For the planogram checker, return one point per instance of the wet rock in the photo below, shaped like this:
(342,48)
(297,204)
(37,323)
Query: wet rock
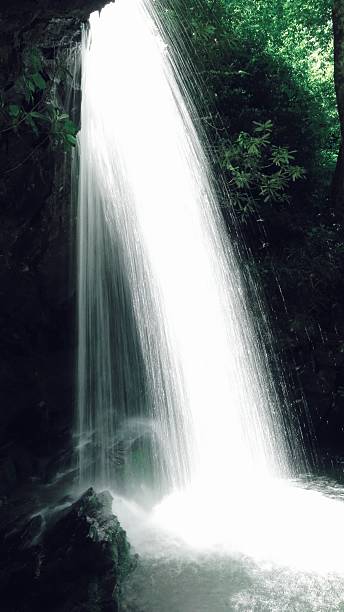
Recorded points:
(325,357)
(8,475)
(37,220)
(74,564)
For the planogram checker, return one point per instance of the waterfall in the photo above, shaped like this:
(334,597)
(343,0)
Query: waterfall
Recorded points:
(168,360)
(176,405)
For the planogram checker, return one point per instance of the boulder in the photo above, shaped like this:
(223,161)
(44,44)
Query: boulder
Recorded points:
(72,559)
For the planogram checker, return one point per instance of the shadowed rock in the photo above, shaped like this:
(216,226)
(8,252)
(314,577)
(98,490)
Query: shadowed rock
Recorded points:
(76,564)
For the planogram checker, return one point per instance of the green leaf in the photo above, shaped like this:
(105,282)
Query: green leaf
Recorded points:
(70,139)
(38,80)
(70,127)
(14,111)
(253,148)
(31,85)
(296,172)
(40,116)
(263,127)
(35,59)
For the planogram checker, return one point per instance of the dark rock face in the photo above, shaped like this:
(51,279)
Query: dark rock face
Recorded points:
(74,564)
(70,558)
(24,13)
(37,286)
(318,380)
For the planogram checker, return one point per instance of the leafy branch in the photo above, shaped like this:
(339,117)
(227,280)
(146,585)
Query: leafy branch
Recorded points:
(258,170)
(29,104)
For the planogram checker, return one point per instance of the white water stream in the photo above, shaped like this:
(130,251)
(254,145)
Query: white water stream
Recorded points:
(148,214)
(174,389)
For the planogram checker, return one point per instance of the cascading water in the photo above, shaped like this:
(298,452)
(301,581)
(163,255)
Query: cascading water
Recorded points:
(151,234)
(170,369)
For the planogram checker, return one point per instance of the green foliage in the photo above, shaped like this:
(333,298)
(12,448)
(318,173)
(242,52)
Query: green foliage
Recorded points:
(259,171)
(263,60)
(63,130)
(31,104)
